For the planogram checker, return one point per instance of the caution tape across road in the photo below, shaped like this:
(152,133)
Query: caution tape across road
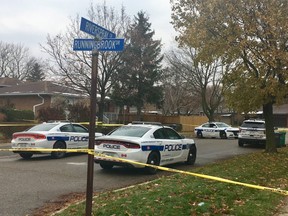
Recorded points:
(91,152)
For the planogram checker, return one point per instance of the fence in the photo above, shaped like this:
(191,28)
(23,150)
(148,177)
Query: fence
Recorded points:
(186,123)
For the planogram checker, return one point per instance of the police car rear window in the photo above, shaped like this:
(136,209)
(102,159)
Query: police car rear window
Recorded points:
(253,125)
(130,131)
(42,127)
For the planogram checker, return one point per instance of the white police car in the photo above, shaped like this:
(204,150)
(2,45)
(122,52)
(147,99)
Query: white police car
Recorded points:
(252,131)
(216,130)
(54,135)
(144,142)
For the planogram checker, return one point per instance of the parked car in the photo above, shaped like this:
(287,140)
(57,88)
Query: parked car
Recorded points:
(143,142)
(252,131)
(216,130)
(55,135)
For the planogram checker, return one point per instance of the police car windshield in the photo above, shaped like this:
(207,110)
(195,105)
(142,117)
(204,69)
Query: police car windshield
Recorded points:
(221,124)
(42,127)
(131,131)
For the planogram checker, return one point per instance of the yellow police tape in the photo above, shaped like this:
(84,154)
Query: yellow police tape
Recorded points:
(91,152)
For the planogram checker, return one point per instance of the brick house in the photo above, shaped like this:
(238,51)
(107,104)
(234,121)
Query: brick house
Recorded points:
(36,95)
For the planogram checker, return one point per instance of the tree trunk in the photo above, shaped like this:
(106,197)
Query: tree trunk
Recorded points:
(138,117)
(271,145)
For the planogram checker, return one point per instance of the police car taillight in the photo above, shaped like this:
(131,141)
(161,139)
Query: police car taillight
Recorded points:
(35,136)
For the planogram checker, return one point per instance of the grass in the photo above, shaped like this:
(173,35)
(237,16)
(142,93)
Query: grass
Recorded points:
(188,195)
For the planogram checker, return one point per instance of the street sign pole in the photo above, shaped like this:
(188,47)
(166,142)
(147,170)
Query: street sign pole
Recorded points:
(107,41)
(93,101)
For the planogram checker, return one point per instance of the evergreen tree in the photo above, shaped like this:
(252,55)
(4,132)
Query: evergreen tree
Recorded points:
(138,79)
(35,73)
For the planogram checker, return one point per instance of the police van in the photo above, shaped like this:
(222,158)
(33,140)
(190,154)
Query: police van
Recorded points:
(51,135)
(144,142)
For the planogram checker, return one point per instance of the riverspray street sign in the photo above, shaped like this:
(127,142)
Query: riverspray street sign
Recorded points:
(107,44)
(95,30)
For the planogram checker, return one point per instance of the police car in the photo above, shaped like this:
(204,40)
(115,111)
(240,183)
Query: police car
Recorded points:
(144,142)
(252,131)
(54,135)
(216,130)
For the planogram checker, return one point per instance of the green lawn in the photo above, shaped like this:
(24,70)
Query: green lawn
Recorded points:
(188,195)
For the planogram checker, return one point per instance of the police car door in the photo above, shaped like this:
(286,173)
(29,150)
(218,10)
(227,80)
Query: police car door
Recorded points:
(81,136)
(214,130)
(173,144)
(207,130)
(74,137)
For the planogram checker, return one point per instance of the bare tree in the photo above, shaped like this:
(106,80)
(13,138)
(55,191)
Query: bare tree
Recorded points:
(5,58)
(75,67)
(15,60)
(203,79)
(178,96)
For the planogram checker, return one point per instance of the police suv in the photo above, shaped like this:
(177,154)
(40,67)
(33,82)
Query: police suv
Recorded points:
(252,131)
(54,135)
(144,142)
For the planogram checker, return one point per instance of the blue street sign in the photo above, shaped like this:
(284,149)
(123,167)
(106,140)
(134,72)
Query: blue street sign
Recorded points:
(107,44)
(95,30)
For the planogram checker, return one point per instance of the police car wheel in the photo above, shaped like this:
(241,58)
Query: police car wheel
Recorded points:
(191,155)
(223,135)
(26,155)
(106,166)
(154,159)
(240,143)
(58,145)
(199,134)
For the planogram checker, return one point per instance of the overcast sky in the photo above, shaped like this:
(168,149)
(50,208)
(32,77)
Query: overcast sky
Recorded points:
(29,21)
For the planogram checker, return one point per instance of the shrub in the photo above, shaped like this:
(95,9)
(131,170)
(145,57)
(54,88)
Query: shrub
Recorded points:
(3,117)
(51,113)
(13,115)
(79,112)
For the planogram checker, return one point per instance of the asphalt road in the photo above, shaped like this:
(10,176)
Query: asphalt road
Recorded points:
(29,184)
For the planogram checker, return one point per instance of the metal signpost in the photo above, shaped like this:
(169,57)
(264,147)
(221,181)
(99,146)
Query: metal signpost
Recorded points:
(105,40)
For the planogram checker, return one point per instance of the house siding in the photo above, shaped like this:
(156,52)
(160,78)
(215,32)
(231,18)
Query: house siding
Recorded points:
(25,102)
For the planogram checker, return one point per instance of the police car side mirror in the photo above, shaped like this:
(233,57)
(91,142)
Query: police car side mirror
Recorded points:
(183,137)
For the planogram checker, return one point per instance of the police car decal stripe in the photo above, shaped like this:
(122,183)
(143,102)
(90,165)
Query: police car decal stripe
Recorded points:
(161,148)
(53,138)
(152,147)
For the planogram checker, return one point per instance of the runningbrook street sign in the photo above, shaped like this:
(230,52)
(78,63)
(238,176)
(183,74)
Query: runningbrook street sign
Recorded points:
(108,44)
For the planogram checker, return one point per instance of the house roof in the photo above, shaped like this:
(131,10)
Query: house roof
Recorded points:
(40,87)
(277,109)
(281,109)
(6,81)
